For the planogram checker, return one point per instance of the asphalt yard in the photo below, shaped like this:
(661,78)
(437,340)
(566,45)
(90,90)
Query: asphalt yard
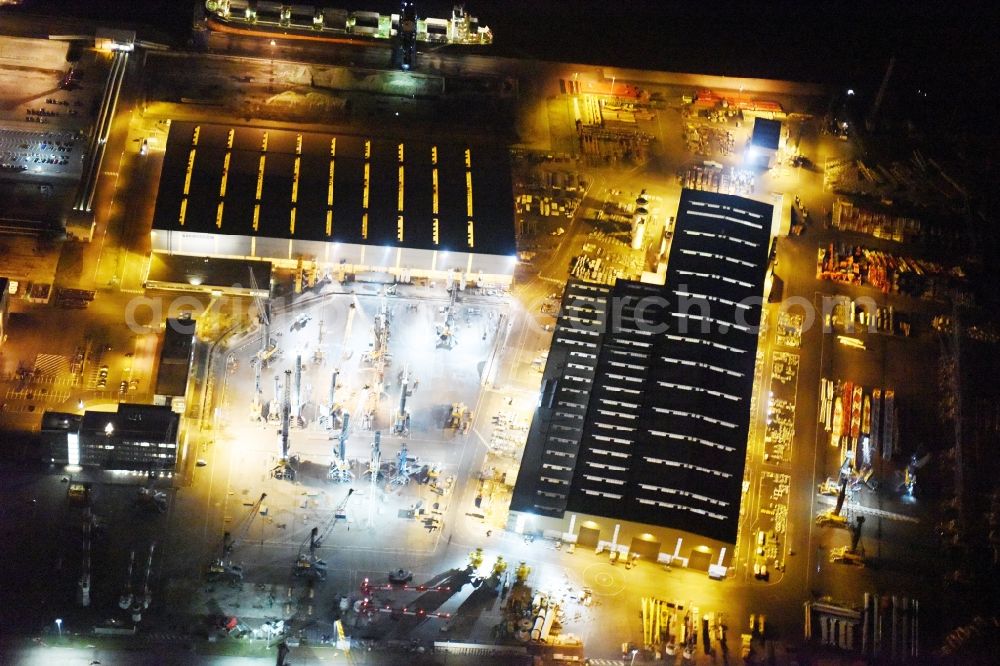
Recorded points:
(365,528)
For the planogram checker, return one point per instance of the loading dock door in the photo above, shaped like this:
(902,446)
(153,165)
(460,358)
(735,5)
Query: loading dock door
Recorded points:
(699,560)
(588,537)
(648,550)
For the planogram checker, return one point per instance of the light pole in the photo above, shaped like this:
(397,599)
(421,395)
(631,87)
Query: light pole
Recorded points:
(59,625)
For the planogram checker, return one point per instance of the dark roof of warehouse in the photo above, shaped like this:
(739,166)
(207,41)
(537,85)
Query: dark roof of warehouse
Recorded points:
(175,358)
(766,133)
(134,422)
(61,421)
(492,190)
(666,406)
(183,269)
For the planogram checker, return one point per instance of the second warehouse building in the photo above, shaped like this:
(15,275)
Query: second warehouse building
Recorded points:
(639,441)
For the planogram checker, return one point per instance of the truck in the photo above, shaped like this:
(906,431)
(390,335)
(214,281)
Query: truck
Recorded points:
(843,555)
(831,519)
(78,493)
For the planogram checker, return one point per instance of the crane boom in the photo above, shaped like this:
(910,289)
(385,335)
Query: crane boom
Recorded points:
(339,513)
(228,541)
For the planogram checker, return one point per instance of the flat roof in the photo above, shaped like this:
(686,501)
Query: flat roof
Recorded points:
(653,427)
(134,422)
(60,422)
(182,269)
(766,133)
(348,189)
(175,358)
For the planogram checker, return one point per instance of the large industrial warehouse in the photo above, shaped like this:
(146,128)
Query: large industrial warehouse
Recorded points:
(351,204)
(641,434)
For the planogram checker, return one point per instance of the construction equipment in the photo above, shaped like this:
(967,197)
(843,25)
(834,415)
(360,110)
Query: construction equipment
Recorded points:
(267,348)
(374,470)
(311,565)
(329,417)
(446,329)
(499,567)
(853,555)
(339,513)
(829,487)
(223,567)
(399,582)
(340,468)
(404,468)
(274,406)
(833,518)
(401,419)
(843,555)
(152,499)
(909,481)
(475,559)
(318,354)
(460,416)
(400,577)
(78,494)
(378,356)
(285,469)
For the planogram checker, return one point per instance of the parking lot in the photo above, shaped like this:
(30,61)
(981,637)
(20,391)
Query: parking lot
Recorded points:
(40,153)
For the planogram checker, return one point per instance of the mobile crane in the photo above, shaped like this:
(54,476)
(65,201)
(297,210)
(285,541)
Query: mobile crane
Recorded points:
(311,565)
(833,517)
(401,419)
(340,467)
(285,469)
(223,567)
(854,554)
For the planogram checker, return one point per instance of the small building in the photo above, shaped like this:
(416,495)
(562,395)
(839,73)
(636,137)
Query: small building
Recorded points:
(111,39)
(136,438)
(765,142)
(175,364)
(206,275)
(56,430)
